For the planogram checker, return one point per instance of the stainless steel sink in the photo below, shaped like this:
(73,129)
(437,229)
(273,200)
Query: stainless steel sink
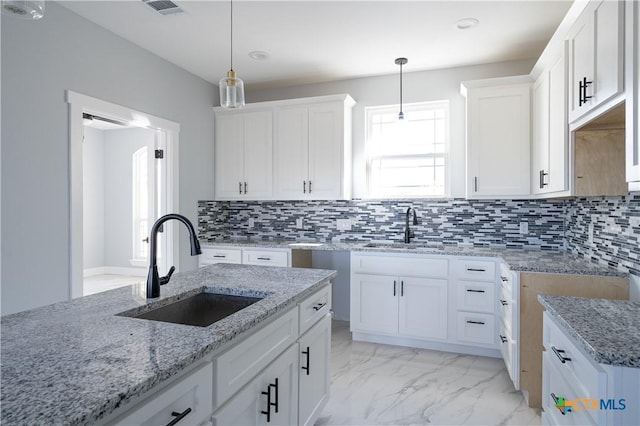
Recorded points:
(202,309)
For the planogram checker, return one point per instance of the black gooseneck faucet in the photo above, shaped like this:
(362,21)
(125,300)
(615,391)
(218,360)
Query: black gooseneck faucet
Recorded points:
(408,233)
(153,280)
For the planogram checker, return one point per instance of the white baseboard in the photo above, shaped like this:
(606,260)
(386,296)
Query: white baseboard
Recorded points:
(115,270)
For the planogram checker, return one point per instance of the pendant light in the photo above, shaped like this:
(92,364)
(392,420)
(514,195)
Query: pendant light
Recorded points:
(231,87)
(401,62)
(25,9)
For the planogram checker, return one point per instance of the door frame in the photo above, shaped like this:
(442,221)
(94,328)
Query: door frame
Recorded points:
(78,104)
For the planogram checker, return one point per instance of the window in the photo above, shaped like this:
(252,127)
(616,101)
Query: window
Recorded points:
(140,204)
(408,158)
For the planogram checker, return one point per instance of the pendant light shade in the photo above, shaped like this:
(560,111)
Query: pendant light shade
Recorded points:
(401,62)
(231,87)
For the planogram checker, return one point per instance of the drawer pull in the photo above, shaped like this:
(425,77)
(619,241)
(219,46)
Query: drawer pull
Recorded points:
(555,401)
(504,302)
(264,258)
(402,288)
(269,403)
(319,306)
(503,339)
(471,290)
(560,354)
(394,288)
(222,256)
(178,416)
(475,322)
(476,270)
(504,279)
(308,354)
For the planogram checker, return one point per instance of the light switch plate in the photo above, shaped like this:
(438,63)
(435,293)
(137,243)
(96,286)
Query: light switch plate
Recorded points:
(251,222)
(299,223)
(524,228)
(343,224)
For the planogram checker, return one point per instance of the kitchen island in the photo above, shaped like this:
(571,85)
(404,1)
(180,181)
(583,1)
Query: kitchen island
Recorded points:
(79,362)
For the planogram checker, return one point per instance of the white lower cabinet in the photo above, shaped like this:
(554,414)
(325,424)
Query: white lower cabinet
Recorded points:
(246,255)
(270,398)
(437,302)
(313,390)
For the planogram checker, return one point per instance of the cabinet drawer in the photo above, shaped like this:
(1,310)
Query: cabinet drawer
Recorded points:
(475,270)
(314,308)
(476,328)
(554,385)
(508,351)
(476,296)
(505,275)
(587,378)
(236,367)
(190,395)
(265,257)
(213,255)
(406,266)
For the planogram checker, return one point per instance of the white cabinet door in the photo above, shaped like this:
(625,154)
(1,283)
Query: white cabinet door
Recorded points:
(540,133)
(557,178)
(256,403)
(291,153)
(258,154)
(315,352)
(229,156)
(596,57)
(326,151)
(374,304)
(423,308)
(498,141)
(633,89)
(243,156)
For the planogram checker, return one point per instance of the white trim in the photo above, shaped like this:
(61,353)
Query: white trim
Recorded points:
(79,103)
(114,270)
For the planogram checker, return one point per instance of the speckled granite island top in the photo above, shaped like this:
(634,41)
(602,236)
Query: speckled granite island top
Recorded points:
(75,362)
(521,260)
(608,330)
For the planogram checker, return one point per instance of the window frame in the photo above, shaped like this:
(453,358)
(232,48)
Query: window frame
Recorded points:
(446,155)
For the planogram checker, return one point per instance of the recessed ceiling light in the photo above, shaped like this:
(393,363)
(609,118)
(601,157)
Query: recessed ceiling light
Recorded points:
(466,23)
(258,55)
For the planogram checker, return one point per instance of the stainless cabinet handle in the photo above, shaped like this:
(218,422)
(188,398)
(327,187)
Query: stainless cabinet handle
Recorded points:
(269,403)
(475,322)
(394,288)
(240,188)
(555,401)
(504,302)
(304,186)
(178,416)
(308,354)
(309,187)
(542,175)
(402,288)
(319,306)
(220,256)
(476,270)
(475,184)
(263,258)
(504,279)
(560,354)
(245,187)
(471,290)
(582,91)
(503,339)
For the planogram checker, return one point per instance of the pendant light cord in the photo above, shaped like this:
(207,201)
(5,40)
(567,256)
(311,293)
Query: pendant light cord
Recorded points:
(401,88)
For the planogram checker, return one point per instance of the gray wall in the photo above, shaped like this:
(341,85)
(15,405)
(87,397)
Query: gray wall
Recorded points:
(93,198)
(418,87)
(40,61)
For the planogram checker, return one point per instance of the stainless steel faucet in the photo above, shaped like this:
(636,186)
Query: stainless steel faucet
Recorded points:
(408,233)
(153,280)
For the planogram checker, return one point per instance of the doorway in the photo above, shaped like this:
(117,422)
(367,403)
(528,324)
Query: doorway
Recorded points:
(123,169)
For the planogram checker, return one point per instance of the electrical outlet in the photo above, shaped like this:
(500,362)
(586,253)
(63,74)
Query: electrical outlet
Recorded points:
(251,222)
(343,224)
(299,223)
(524,228)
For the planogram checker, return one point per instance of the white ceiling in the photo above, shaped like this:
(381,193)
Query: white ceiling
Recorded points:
(314,41)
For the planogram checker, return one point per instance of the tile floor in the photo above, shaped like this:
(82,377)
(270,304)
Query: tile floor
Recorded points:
(390,385)
(99,283)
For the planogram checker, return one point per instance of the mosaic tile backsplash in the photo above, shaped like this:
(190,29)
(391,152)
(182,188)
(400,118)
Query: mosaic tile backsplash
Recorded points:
(492,223)
(606,230)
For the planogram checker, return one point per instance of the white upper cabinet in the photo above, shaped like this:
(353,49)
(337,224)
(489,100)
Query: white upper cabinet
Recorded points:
(549,160)
(312,151)
(243,155)
(498,137)
(633,95)
(596,57)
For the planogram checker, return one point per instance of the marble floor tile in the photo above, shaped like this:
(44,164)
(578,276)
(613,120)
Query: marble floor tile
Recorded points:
(391,385)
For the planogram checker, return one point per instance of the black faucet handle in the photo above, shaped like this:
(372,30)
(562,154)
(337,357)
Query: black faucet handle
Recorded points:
(165,280)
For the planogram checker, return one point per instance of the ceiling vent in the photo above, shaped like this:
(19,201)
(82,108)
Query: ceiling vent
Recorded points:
(164,7)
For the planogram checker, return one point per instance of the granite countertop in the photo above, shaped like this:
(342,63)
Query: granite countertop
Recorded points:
(608,330)
(75,362)
(520,260)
